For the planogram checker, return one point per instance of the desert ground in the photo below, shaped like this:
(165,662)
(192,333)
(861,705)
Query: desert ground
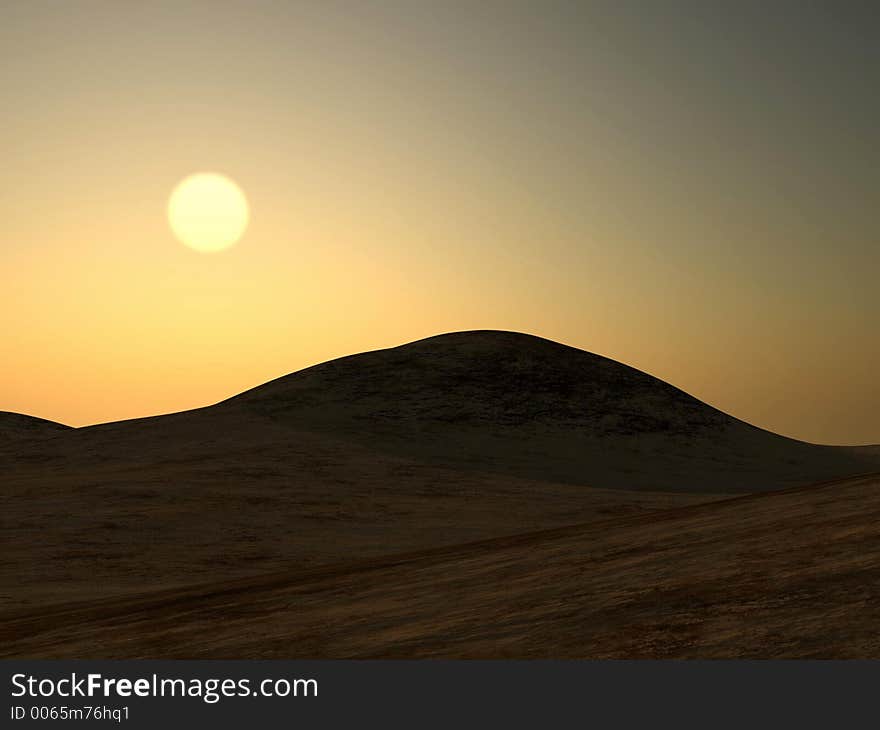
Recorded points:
(784,575)
(477,494)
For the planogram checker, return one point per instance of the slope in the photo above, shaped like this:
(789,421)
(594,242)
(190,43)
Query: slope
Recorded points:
(786,574)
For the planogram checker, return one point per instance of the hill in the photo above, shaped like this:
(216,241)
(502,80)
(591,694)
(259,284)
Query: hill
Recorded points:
(16,427)
(439,442)
(525,406)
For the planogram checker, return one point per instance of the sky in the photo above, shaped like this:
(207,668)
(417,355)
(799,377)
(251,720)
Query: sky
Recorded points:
(688,187)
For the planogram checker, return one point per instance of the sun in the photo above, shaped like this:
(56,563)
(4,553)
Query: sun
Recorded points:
(208,212)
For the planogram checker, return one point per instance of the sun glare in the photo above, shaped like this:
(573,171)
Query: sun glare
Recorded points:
(208,212)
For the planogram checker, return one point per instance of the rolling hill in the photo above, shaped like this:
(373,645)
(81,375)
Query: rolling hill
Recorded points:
(453,439)
(525,406)
(17,427)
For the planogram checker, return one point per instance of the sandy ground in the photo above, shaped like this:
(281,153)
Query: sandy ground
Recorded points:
(86,525)
(791,574)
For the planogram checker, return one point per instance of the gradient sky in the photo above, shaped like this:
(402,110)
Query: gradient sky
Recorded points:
(688,187)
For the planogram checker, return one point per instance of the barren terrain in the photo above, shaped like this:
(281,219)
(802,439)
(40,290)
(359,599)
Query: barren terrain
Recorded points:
(321,480)
(791,574)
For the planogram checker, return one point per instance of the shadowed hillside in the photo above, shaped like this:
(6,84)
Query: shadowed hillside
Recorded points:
(525,406)
(16,427)
(456,438)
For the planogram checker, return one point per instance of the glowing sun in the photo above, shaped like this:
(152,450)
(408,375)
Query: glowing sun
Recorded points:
(208,212)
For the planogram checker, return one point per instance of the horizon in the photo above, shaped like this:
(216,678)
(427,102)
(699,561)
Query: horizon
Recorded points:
(405,344)
(688,189)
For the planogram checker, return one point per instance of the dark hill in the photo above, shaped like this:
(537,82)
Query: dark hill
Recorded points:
(486,380)
(451,439)
(526,406)
(17,426)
